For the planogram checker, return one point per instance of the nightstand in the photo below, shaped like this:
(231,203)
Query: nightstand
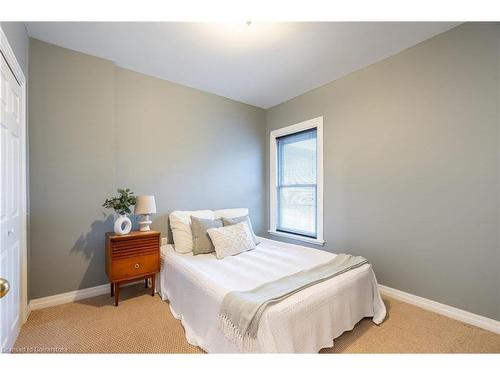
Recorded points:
(131,257)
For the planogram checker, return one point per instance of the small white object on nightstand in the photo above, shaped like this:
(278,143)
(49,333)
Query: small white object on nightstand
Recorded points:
(144,206)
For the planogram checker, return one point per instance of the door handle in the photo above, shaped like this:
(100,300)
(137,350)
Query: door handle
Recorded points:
(10,231)
(4,287)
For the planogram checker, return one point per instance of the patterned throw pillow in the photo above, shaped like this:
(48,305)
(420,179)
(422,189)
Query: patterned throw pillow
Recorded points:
(231,240)
(235,220)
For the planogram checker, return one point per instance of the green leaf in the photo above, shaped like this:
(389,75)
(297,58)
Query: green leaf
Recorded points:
(121,204)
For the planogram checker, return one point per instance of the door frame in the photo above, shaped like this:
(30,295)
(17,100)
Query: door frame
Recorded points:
(11,59)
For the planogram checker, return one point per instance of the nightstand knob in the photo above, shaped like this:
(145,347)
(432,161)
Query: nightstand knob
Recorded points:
(136,266)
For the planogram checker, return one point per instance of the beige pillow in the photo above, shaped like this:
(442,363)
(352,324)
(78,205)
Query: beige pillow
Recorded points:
(180,223)
(231,240)
(230,212)
(202,244)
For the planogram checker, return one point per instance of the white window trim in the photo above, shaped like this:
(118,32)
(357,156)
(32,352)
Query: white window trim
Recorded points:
(273,180)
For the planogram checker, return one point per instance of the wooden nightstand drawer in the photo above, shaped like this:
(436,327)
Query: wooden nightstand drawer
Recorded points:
(135,266)
(134,247)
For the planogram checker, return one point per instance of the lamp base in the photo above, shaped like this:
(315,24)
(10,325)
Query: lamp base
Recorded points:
(144,224)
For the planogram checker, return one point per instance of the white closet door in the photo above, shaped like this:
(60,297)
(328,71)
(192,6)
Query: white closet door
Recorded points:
(10,203)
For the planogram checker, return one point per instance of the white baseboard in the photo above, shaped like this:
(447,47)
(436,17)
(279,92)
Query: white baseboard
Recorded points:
(440,308)
(28,311)
(75,295)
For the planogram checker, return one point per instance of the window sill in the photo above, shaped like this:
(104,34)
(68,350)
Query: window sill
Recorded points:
(297,237)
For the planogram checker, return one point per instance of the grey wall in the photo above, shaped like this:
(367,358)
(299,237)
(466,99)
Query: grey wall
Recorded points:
(72,161)
(95,127)
(189,149)
(411,158)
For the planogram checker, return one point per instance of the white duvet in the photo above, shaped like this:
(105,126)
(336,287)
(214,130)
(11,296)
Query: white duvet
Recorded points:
(303,323)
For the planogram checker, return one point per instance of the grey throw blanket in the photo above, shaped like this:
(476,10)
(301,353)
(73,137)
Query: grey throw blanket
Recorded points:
(240,312)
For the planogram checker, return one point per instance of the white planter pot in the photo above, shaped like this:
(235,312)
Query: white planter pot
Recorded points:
(123,225)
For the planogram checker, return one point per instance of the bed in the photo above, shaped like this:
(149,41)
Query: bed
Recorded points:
(303,323)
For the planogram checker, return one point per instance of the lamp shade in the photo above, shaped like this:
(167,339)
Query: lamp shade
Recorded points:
(145,205)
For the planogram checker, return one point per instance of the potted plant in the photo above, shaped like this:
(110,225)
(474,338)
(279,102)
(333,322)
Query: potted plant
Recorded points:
(121,204)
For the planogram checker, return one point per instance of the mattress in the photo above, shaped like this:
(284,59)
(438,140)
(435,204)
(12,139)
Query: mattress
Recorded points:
(303,323)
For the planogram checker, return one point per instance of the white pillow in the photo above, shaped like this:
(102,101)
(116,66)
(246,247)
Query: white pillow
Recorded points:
(230,213)
(231,240)
(180,223)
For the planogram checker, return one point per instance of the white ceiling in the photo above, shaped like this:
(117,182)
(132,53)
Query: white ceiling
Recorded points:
(263,64)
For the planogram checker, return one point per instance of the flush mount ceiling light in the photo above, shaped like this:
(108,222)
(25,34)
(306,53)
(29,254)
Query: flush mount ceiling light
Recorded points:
(245,35)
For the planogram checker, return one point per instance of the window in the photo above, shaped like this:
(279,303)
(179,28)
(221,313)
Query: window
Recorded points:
(297,186)
(296,181)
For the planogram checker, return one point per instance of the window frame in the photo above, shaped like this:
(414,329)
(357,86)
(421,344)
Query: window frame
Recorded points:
(273,181)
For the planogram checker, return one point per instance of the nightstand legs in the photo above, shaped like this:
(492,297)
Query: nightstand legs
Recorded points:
(117,293)
(115,287)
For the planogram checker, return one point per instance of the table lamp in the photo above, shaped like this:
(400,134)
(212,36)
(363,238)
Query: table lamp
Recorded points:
(144,206)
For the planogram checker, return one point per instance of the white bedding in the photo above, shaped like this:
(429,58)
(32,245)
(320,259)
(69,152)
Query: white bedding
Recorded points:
(303,323)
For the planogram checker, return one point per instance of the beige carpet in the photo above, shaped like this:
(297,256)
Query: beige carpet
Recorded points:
(144,324)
